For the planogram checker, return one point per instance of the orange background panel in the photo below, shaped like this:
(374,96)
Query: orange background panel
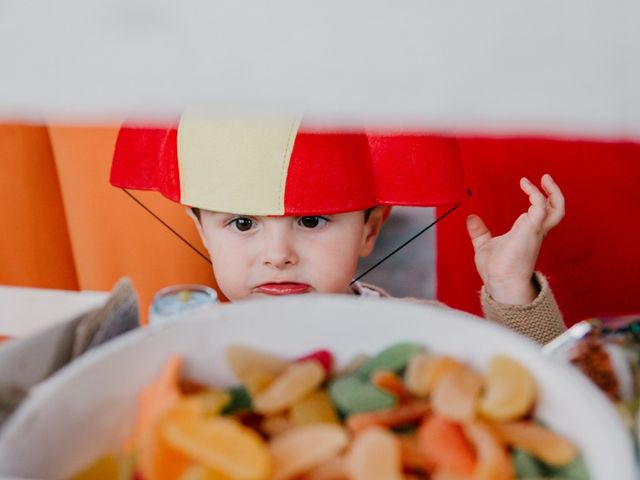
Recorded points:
(35,249)
(107,234)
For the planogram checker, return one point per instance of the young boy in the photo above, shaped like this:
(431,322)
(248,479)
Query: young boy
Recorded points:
(285,210)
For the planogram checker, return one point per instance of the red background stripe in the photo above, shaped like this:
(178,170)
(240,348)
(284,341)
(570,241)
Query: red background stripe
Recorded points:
(592,257)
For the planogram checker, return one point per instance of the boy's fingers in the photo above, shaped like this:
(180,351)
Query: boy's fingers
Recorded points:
(555,203)
(478,231)
(556,198)
(538,209)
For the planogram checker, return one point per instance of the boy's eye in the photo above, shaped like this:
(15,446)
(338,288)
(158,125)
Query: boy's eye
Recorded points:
(312,222)
(242,224)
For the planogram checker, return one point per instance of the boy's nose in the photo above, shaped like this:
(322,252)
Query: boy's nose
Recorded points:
(279,251)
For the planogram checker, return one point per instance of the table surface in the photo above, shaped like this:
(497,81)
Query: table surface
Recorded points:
(24,310)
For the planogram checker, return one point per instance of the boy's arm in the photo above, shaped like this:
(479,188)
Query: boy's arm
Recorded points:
(539,320)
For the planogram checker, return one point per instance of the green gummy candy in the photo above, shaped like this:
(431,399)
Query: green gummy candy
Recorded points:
(353,395)
(393,359)
(526,466)
(575,470)
(240,401)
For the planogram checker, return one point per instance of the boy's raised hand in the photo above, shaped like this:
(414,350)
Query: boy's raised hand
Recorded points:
(506,263)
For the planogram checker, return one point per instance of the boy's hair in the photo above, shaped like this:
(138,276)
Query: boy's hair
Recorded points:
(367,213)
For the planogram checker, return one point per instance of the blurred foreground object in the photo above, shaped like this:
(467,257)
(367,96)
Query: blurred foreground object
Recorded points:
(290,327)
(25,362)
(497,66)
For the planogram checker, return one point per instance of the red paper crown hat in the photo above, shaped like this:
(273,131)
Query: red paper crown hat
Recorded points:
(282,167)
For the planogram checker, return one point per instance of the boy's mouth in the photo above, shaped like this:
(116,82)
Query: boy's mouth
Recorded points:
(284,288)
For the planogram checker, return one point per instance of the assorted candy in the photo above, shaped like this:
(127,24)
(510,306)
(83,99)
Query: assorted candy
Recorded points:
(403,414)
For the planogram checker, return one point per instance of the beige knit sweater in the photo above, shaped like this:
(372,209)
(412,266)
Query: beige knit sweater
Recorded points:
(539,320)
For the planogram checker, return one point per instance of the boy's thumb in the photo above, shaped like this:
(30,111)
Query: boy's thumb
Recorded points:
(478,231)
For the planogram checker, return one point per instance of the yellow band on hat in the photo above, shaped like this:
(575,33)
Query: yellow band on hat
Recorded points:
(220,160)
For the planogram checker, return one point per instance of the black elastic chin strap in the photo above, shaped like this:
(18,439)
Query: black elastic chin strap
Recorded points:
(168,226)
(367,271)
(396,250)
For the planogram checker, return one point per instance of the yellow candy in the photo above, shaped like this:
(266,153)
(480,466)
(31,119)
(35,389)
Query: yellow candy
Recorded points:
(333,469)
(198,472)
(510,390)
(275,424)
(375,455)
(303,448)
(107,467)
(455,396)
(292,385)
(255,369)
(540,442)
(315,408)
(246,359)
(221,444)
(257,381)
(424,371)
(212,401)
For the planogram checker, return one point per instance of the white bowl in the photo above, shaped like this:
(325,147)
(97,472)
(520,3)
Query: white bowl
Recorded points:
(88,408)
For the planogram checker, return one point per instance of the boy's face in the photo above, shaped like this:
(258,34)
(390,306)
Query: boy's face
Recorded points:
(264,256)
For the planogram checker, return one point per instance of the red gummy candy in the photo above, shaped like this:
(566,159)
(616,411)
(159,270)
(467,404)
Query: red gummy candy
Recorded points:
(324,357)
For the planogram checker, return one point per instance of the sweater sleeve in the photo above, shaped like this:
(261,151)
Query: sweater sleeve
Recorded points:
(539,320)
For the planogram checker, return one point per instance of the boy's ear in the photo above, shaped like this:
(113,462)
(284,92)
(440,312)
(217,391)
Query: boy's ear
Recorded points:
(386,211)
(198,225)
(377,218)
